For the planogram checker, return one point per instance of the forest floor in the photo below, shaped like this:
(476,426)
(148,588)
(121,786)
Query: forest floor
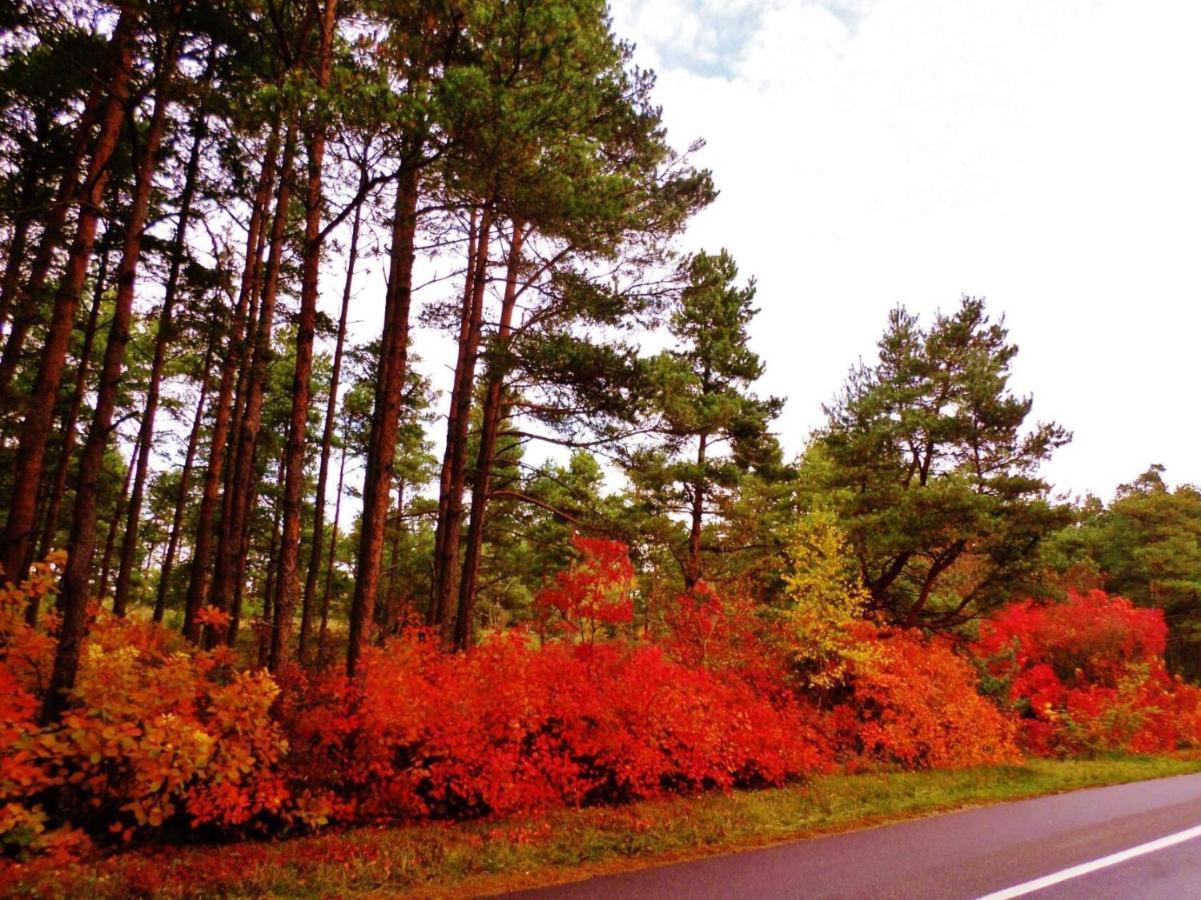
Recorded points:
(497,855)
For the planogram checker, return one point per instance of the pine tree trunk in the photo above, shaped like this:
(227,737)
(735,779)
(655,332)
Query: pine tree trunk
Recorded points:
(327,438)
(164,336)
(185,479)
(222,411)
(434,612)
(28,301)
(27,471)
(271,588)
(302,379)
(389,621)
(692,571)
(381,451)
(20,237)
(333,550)
(100,587)
(73,592)
(233,527)
(489,428)
(66,450)
(458,423)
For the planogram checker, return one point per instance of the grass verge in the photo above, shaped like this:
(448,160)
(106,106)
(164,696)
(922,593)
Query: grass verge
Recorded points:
(489,857)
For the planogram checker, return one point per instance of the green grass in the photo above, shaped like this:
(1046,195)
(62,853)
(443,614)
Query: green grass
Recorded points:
(491,856)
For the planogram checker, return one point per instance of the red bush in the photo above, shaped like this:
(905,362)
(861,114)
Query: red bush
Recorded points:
(509,726)
(591,596)
(1087,674)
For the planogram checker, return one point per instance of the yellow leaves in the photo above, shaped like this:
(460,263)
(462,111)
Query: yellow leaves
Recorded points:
(825,600)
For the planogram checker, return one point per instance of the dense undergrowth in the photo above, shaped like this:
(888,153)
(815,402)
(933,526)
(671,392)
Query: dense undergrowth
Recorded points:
(165,742)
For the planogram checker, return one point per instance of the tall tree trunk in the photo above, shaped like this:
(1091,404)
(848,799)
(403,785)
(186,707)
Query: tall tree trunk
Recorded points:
(66,450)
(489,428)
(58,489)
(385,420)
(692,569)
(185,479)
(333,550)
(100,588)
(231,536)
(73,592)
(28,301)
(21,224)
(302,378)
(164,336)
(458,423)
(434,614)
(327,439)
(271,588)
(27,471)
(203,549)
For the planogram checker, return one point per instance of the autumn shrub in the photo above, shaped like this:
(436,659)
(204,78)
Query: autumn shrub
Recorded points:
(824,600)
(591,597)
(157,731)
(1086,675)
(576,716)
(25,773)
(912,701)
(510,726)
(728,635)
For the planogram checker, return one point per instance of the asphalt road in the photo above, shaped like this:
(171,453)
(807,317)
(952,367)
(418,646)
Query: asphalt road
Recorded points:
(967,854)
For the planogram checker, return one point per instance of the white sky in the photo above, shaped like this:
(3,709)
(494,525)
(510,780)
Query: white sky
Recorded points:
(1045,155)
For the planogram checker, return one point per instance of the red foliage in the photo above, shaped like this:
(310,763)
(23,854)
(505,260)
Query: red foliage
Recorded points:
(161,732)
(509,726)
(593,594)
(1091,638)
(726,635)
(1088,674)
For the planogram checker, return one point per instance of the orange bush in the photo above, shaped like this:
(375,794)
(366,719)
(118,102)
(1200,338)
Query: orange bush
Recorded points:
(157,730)
(913,702)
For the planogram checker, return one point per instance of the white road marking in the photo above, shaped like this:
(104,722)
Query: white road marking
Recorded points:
(1029,887)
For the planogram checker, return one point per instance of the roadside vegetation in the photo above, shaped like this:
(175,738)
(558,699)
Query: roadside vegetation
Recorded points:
(488,857)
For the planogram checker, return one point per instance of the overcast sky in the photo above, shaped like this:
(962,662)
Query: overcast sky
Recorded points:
(1044,155)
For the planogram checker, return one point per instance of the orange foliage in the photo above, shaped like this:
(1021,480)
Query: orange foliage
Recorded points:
(914,703)
(161,732)
(157,730)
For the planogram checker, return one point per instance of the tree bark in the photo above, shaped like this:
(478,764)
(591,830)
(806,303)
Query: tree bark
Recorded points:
(20,237)
(100,588)
(433,613)
(163,338)
(27,471)
(202,552)
(333,550)
(692,571)
(489,428)
(327,438)
(270,589)
(58,489)
(26,306)
(385,420)
(458,422)
(231,536)
(185,478)
(302,378)
(73,592)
